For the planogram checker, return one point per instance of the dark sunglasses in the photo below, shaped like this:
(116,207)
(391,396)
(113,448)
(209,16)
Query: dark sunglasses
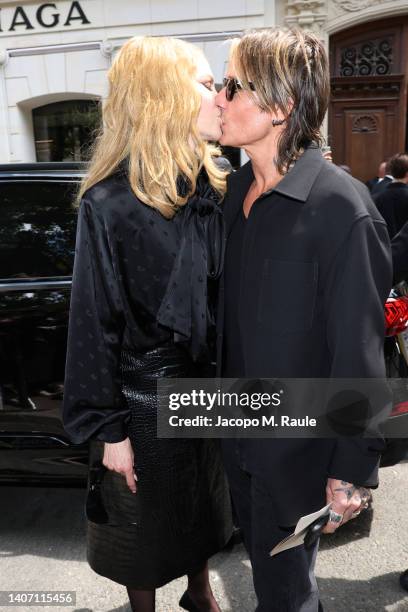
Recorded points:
(232,85)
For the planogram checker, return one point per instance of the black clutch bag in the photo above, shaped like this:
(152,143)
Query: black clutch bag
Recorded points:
(109,500)
(94,506)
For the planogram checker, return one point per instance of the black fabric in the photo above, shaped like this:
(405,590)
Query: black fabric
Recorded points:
(317,274)
(180,514)
(283,583)
(399,246)
(139,280)
(185,307)
(233,359)
(371,183)
(381,185)
(138,313)
(392,204)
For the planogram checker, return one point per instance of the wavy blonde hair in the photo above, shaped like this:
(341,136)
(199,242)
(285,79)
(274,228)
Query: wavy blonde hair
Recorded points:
(150,120)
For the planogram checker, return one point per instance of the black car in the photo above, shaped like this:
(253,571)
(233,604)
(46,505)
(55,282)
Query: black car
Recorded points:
(37,241)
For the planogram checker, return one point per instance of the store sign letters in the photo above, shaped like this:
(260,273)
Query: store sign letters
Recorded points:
(47,16)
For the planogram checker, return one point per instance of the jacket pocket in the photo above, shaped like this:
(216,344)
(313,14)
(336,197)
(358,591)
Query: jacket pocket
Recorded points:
(287,295)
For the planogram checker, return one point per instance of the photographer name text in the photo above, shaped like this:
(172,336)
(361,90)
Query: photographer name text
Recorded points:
(242,422)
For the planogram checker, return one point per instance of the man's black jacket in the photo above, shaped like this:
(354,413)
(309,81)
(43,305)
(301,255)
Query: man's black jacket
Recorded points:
(381,185)
(315,275)
(399,246)
(392,204)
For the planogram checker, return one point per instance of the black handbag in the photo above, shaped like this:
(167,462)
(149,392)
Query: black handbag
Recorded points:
(94,506)
(109,500)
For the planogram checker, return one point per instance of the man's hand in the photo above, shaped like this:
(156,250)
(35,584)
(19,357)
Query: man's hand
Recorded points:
(118,457)
(347,502)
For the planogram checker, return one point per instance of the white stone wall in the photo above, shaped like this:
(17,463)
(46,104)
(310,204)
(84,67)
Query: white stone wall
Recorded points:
(31,80)
(326,17)
(37,67)
(41,79)
(343,14)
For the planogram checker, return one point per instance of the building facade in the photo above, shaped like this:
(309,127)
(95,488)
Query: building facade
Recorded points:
(54,57)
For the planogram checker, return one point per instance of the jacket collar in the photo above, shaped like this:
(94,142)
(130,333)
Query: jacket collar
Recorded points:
(296,184)
(396,185)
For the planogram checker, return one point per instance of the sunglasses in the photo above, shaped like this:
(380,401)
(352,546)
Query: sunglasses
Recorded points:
(232,85)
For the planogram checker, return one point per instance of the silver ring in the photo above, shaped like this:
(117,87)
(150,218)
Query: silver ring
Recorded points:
(335,517)
(356,513)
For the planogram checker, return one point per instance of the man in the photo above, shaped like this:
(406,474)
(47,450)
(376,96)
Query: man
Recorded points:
(307,272)
(371,183)
(392,202)
(384,179)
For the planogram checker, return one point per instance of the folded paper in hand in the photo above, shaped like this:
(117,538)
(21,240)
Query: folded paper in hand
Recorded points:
(298,536)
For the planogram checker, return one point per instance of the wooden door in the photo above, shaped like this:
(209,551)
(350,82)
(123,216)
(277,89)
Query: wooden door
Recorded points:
(365,127)
(367,115)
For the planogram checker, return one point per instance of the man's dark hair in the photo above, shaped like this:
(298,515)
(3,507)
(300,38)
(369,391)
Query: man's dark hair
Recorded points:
(398,165)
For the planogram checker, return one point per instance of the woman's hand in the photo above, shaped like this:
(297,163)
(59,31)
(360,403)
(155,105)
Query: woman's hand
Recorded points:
(118,457)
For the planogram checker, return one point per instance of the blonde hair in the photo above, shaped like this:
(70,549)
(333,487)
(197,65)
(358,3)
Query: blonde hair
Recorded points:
(287,67)
(150,120)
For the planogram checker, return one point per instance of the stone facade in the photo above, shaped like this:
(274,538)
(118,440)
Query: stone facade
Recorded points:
(61,51)
(308,14)
(326,17)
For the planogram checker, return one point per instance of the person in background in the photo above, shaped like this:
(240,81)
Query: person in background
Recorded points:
(383,181)
(392,202)
(371,183)
(307,272)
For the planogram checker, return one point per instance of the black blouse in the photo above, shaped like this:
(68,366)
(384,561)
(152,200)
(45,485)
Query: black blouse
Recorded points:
(139,280)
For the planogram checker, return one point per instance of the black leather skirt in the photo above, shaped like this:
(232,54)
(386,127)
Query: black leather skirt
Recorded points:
(180,515)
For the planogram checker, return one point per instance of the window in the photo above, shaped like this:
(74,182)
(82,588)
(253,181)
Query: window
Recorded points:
(63,131)
(37,229)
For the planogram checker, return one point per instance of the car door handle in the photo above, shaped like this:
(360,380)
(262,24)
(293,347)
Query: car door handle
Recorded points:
(35,284)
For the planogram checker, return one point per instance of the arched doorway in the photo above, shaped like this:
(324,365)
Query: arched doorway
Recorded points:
(63,130)
(368,109)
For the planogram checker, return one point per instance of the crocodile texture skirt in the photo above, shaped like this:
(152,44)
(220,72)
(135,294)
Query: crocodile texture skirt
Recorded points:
(180,515)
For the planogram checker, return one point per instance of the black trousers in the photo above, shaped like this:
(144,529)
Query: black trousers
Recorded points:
(285,582)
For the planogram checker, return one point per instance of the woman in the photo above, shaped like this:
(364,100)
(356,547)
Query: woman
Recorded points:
(314,246)
(149,233)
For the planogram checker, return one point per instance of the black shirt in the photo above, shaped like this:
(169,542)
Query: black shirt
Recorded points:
(139,280)
(317,271)
(233,359)
(315,246)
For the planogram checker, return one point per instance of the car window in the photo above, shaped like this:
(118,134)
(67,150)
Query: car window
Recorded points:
(37,228)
